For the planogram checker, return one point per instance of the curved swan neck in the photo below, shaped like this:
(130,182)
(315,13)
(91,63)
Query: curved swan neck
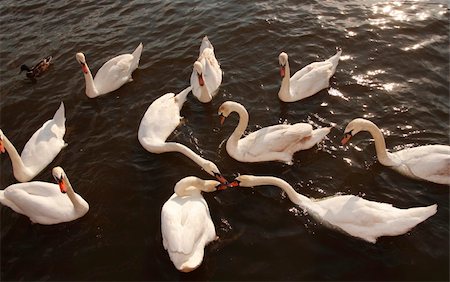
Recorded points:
(20,171)
(177,147)
(71,194)
(380,144)
(242,125)
(91,90)
(295,197)
(285,92)
(205,96)
(193,186)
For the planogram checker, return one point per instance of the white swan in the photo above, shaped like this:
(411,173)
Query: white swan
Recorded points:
(272,143)
(43,146)
(160,120)
(430,162)
(44,202)
(307,81)
(186,224)
(112,75)
(206,75)
(355,216)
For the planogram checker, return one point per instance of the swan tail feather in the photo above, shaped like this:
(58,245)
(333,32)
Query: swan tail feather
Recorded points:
(136,56)
(181,97)
(205,44)
(334,60)
(59,116)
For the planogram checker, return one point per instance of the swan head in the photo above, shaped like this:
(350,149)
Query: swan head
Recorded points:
(355,126)
(243,181)
(2,147)
(213,170)
(193,185)
(226,109)
(198,68)
(82,61)
(282,60)
(59,174)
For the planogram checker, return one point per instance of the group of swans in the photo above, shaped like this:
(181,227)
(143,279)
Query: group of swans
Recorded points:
(186,223)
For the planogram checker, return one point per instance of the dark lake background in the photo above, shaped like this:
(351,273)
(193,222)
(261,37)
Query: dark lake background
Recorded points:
(394,70)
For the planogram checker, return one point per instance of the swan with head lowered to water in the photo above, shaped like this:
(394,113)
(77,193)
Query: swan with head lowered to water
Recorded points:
(351,214)
(40,150)
(272,143)
(307,81)
(186,224)
(45,203)
(429,162)
(160,120)
(206,74)
(112,75)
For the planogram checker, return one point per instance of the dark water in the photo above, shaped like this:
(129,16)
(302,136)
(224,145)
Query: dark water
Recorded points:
(394,71)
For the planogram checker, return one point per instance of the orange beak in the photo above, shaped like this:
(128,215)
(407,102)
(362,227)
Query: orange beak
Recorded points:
(62,186)
(200,80)
(220,178)
(222,119)
(346,138)
(84,68)
(282,71)
(2,148)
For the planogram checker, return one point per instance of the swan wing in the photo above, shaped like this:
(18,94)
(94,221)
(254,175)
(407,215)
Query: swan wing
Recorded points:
(114,73)
(160,120)
(45,144)
(369,220)
(276,138)
(311,81)
(212,73)
(431,162)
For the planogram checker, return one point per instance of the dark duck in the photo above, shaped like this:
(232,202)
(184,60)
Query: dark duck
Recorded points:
(38,69)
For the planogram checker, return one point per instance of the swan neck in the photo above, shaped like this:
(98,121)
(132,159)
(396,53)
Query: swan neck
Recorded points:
(204,94)
(295,197)
(20,171)
(242,125)
(284,93)
(180,148)
(71,194)
(91,90)
(380,145)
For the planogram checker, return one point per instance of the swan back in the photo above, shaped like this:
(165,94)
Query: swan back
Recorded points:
(186,224)
(161,118)
(46,143)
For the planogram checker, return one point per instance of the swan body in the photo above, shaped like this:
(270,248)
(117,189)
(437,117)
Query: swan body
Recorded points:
(186,224)
(160,120)
(429,162)
(307,81)
(206,74)
(112,75)
(272,143)
(45,203)
(38,69)
(351,214)
(43,146)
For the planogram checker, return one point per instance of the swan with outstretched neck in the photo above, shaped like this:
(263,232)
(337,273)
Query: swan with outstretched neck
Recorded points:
(429,162)
(272,143)
(351,214)
(112,75)
(40,150)
(206,74)
(307,81)
(160,120)
(186,224)
(45,203)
